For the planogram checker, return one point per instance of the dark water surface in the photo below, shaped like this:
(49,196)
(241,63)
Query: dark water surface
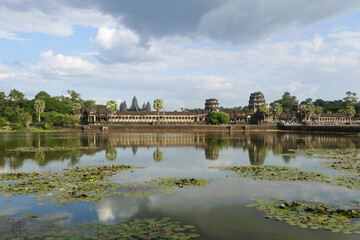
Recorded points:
(219,211)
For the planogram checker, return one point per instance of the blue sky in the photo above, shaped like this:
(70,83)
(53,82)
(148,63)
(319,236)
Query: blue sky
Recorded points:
(181,51)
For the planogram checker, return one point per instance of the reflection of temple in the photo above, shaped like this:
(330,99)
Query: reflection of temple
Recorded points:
(258,145)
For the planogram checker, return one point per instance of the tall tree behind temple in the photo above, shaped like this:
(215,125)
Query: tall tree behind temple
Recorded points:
(287,101)
(134,104)
(148,107)
(16,95)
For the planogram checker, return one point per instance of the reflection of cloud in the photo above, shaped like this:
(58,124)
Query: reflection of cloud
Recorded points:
(54,215)
(12,211)
(110,210)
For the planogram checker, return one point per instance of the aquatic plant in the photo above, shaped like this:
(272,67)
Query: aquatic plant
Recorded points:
(282,173)
(29,226)
(313,215)
(65,186)
(147,228)
(346,160)
(86,184)
(275,173)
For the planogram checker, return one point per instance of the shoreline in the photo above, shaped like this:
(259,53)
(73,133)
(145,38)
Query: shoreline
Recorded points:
(192,127)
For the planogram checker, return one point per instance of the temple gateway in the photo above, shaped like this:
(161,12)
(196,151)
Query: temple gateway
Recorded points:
(248,115)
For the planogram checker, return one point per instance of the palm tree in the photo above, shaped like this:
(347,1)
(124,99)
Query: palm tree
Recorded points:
(318,111)
(309,109)
(111,106)
(277,108)
(158,105)
(350,112)
(264,109)
(39,106)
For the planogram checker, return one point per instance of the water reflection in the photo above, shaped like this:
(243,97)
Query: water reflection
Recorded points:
(158,155)
(257,144)
(111,154)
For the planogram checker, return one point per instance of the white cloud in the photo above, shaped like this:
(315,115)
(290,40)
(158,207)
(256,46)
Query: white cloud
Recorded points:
(11,36)
(50,17)
(347,39)
(62,65)
(122,45)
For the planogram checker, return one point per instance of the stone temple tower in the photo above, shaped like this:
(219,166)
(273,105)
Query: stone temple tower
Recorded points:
(255,101)
(212,104)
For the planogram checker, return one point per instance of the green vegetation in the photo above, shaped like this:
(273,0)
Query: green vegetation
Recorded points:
(313,215)
(86,184)
(278,173)
(111,106)
(275,173)
(219,117)
(65,186)
(158,105)
(146,228)
(287,102)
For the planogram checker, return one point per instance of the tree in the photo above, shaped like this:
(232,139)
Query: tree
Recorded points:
(89,103)
(318,111)
(218,117)
(111,106)
(76,106)
(351,98)
(134,104)
(158,105)
(264,109)
(277,109)
(287,101)
(309,109)
(16,95)
(39,106)
(148,107)
(42,95)
(350,112)
(74,96)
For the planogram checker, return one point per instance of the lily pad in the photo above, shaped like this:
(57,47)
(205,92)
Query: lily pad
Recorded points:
(313,215)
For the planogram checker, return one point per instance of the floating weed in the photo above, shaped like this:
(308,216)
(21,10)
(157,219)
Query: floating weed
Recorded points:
(147,228)
(164,185)
(282,173)
(28,226)
(275,173)
(346,160)
(313,215)
(65,186)
(88,184)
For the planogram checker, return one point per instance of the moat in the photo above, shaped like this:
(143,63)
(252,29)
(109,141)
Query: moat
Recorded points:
(216,206)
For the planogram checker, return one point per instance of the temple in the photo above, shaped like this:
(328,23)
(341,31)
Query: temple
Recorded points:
(248,115)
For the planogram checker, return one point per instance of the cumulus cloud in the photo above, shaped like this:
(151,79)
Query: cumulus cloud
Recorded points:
(61,65)
(347,39)
(122,46)
(50,17)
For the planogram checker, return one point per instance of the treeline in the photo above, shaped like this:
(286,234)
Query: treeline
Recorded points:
(337,106)
(43,111)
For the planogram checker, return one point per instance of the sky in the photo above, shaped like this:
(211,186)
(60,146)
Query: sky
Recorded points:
(182,51)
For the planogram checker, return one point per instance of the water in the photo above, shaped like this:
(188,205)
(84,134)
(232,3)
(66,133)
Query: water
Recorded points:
(218,211)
